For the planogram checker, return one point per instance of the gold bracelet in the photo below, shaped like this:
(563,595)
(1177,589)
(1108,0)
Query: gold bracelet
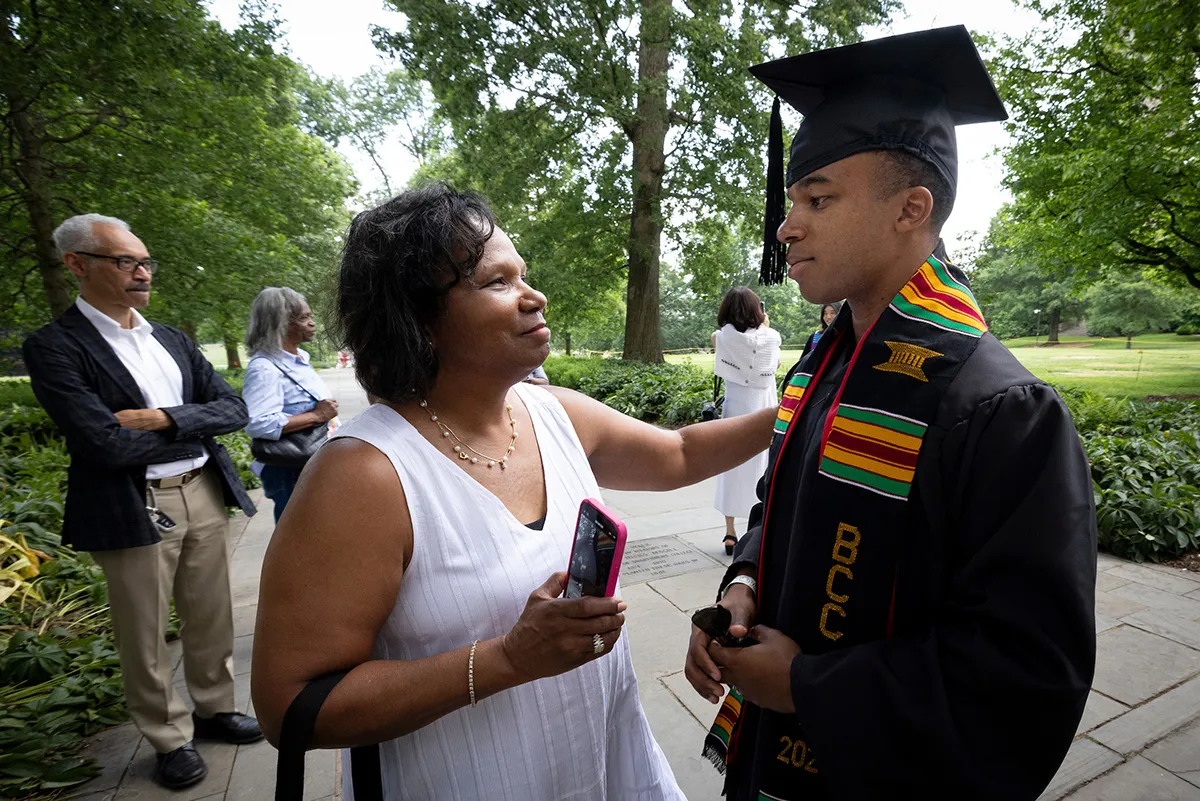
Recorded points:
(471,672)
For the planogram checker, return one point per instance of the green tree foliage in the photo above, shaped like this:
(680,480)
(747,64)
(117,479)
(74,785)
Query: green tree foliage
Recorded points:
(368,111)
(1020,294)
(625,118)
(1127,306)
(1105,161)
(152,112)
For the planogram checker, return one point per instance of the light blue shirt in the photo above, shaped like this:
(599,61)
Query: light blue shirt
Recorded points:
(271,397)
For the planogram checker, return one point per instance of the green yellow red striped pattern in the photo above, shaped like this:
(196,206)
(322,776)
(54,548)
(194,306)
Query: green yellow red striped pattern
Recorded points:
(722,727)
(716,742)
(933,296)
(873,449)
(790,402)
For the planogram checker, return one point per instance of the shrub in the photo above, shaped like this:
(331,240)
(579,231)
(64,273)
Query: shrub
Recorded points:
(1145,459)
(59,674)
(1147,493)
(1186,330)
(238,445)
(669,394)
(1094,413)
(17,391)
(234,378)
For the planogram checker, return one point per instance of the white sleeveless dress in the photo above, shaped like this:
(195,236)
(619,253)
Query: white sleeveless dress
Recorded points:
(580,735)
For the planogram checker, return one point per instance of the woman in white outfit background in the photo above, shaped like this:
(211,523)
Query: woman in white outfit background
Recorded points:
(746,351)
(422,549)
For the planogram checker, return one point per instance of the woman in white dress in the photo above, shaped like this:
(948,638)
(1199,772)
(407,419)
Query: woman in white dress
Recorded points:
(423,548)
(747,354)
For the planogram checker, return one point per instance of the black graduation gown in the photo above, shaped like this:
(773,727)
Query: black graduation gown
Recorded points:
(978,693)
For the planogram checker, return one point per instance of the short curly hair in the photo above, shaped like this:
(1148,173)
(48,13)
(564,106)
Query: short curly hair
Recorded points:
(398,264)
(902,170)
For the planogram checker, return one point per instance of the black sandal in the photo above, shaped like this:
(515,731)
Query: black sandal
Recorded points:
(730,542)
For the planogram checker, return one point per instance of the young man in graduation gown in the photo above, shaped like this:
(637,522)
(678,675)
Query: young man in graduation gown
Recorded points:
(920,576)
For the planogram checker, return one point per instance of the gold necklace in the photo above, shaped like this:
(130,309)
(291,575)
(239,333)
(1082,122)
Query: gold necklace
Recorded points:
(464,451)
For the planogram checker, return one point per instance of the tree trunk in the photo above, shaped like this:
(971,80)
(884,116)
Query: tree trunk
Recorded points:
(37,194)
(1129,342)
(188,327)
(643,338)
(1055,324)
(568,343)
(232,360)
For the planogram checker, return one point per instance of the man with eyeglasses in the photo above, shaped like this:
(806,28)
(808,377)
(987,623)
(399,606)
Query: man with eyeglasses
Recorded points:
(147,487)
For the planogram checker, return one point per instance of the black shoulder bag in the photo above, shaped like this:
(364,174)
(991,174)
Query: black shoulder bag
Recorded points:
(298,724)
(295,448)
(711,410)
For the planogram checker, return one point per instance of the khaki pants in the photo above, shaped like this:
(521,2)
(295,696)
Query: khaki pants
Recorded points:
(192,564)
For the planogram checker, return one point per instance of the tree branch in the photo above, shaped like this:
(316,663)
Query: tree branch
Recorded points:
(86,131)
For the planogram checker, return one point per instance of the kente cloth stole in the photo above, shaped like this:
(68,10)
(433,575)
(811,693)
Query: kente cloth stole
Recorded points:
(870,442)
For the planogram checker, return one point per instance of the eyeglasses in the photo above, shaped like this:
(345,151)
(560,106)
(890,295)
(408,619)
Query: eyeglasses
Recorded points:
(126,264)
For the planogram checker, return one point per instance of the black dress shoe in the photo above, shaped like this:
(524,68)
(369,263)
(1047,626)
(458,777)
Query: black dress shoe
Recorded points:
(228,727)
(180,768)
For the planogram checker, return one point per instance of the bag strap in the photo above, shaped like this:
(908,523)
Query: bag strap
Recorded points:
(296,734)
(303,388)
(717,382)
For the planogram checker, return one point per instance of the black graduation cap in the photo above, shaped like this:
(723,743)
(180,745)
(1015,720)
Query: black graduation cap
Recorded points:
(902,92)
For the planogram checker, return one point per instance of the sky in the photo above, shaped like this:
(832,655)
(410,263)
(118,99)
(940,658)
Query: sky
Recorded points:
(334,40)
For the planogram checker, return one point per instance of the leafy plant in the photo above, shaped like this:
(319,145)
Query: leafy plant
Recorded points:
(18,393)
(1145,461)
(56,689)
(18,567)
(668,394)
(238,445)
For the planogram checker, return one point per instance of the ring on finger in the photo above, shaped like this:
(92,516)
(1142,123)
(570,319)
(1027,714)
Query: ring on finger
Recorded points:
(597,644)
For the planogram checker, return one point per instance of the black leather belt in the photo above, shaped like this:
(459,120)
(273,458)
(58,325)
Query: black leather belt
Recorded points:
(181,480)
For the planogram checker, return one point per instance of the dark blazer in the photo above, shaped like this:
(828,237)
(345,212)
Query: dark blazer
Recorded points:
(80,381)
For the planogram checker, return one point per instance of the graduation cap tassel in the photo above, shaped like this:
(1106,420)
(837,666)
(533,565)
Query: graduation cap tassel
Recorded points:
(774,261)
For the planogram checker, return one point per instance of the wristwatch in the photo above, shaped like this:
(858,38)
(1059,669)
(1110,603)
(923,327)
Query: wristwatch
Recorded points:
(742,579)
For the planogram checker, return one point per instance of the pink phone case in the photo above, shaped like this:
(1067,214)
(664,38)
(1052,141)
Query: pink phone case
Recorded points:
(615,571)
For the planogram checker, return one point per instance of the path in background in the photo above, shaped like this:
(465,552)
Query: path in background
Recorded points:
(1139,738)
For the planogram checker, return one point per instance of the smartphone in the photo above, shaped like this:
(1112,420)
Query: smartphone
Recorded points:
(596,553)
(714,621)
(762,304)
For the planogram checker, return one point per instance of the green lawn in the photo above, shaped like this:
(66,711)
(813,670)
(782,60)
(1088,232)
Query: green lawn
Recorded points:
(215,353)
(1158,364)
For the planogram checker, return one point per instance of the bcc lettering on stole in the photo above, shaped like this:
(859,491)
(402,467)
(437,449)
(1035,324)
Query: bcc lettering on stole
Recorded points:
(845,552)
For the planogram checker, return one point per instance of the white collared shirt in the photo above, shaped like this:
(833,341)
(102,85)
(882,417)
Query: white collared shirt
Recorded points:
(153,369)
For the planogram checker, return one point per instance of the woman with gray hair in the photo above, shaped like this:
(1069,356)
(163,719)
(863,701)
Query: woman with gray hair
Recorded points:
(283,392)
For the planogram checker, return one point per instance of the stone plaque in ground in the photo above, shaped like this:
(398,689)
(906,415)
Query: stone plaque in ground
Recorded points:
(647,560)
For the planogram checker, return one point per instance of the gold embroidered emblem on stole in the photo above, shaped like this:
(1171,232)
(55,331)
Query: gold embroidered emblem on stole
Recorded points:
(907,359)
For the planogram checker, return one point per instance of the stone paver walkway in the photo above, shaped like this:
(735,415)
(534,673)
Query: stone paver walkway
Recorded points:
(1139,738)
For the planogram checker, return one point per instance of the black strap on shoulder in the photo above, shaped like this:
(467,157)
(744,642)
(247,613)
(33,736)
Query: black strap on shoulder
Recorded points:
(296,735)
(289,376)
